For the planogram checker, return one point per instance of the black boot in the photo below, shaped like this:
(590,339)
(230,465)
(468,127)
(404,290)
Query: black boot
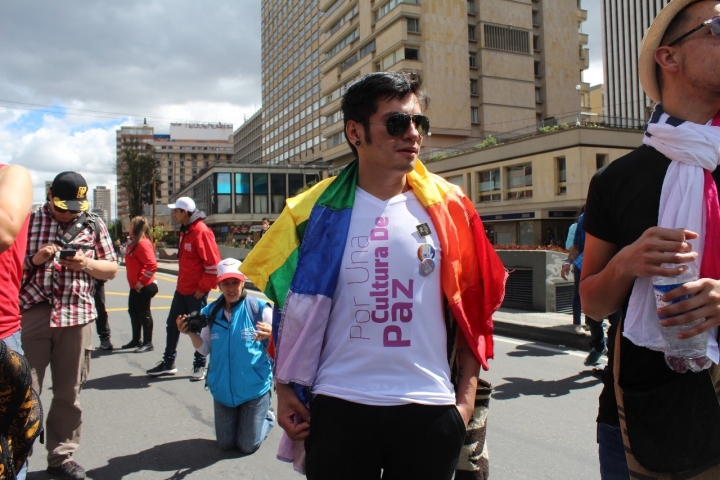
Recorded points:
(135,332)
(147,328)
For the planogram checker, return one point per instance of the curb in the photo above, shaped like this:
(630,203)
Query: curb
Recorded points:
(551,335)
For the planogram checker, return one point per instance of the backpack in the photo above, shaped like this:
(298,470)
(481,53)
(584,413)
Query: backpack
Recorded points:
(21,414)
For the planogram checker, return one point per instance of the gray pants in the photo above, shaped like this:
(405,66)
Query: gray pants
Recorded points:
(67,351)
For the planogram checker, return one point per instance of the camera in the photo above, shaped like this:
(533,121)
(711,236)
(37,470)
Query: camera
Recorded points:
(196,321)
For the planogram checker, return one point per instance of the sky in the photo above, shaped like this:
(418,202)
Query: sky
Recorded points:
(73,72)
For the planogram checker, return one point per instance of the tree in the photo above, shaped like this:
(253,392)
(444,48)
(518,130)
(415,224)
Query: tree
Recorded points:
(137,167)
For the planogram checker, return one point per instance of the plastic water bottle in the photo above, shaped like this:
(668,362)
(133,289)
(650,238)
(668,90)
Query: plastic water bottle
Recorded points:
(690,353)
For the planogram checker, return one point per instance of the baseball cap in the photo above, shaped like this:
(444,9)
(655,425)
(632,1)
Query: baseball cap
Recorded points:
(69,192)
(229,268)
(183,203)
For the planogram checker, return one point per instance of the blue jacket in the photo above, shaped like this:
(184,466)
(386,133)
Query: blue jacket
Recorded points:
(239,370)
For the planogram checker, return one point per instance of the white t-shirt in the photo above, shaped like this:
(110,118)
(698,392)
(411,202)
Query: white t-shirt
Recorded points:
(385,343)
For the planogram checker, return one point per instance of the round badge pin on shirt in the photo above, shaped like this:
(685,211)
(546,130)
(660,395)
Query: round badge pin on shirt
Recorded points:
(427,266)
(425,251)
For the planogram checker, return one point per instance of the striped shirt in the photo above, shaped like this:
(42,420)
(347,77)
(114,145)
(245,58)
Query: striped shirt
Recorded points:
(71,293)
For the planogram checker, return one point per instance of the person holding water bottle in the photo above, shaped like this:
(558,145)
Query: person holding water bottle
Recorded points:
(652,225)
(240,375)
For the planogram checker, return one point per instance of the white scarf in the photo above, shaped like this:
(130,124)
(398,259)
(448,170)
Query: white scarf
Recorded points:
(691,147)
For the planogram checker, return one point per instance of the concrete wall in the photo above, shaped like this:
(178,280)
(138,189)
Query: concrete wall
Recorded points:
(546,266)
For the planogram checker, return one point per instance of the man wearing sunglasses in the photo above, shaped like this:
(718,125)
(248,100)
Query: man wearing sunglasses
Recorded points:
(650,214)
(383,312)
(56,300)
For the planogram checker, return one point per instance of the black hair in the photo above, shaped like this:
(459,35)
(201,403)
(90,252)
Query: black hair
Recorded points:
(676,28)
(360,101)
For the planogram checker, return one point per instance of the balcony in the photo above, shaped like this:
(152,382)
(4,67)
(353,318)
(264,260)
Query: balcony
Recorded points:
(582,15)
(583,38)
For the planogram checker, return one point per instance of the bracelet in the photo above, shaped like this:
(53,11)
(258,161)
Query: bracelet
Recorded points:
(86,266)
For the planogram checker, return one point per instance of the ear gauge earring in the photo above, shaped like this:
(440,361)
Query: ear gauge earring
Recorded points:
(358,142)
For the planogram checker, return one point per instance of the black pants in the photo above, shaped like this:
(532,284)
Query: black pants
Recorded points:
(351,441)
(102,324)
(140,314)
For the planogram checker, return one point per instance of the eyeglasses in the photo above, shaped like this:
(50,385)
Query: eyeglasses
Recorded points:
(398,123)
(714,29)
(63,210)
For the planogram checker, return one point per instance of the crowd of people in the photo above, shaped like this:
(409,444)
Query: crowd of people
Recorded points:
(383,285)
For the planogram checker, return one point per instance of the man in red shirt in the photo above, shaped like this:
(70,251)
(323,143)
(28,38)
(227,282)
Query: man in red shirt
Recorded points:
(198,256)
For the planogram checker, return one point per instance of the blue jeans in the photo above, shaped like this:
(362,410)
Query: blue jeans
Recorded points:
(611,451)
(13,342)
(243,427)
(181,305)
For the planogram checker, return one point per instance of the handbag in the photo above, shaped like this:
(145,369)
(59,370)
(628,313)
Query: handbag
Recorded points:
(474,459)
(662,441)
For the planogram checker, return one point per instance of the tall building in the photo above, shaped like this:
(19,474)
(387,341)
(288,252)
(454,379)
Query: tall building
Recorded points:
(491,67)
(102,198)
(183,154)
(291,81)
(247,140)
(624,25)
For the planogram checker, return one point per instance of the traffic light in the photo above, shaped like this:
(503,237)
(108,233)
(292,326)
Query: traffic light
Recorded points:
(158,191)
(146,194)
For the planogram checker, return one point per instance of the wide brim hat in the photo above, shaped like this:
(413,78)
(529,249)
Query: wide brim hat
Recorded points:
(229,268)
(650,44)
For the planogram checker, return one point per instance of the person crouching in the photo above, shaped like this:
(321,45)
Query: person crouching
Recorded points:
(240,374)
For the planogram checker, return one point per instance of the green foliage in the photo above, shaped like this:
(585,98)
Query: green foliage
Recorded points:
(136,167)
(438,156)
(490,141)
(170,239)
(158,232)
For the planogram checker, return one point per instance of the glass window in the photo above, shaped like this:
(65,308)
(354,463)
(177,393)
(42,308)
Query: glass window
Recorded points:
(278,191)
(519,177)
(260,192)
(295,183)
(242,193)
(223,203)
(489,186)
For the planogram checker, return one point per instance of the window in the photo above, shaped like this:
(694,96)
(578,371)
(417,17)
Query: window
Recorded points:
(473,87)
(601,160)
(412,54)
(260,192)
(536,43)
(471,33)
(295,183)
(538,95)
(535,19)
(336,140)
(242,193)
(351,37)
(413,25)
(222,202)
(385,9)
(518,178)
(561,167)
(537,69)
(507,38)
(393,58)
(489,186)
(277,191)
(474,115)
(471,6)
(473,61)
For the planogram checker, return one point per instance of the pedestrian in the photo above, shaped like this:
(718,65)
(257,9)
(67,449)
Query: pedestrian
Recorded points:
(550,239)
(566,268)
(15,203)
(68,249)
(598,340)
(651,213)
(198,256)
(118,251)
(240,374)
(102,324)
(265,222)
(360,267)
(141,265)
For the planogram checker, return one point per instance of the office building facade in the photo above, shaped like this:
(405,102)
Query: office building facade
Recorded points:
(247,140)
(624,25)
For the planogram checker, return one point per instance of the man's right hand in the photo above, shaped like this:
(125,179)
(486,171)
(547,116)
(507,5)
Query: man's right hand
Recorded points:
(565,271)
(656,246)
(289,405)
(45,253)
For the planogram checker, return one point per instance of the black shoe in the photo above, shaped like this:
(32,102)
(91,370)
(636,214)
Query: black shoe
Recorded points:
(105,345)
(163,368)
(146,347)
(69,470)
(133,344)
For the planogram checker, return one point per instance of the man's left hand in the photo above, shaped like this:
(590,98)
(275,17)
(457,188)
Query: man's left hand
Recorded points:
(704,302)
(74,263)
(465,412)
(199,294)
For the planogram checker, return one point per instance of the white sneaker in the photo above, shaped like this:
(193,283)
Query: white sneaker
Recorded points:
(198,374)
(580,330)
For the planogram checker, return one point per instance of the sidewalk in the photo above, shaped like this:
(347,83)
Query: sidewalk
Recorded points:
(551,328)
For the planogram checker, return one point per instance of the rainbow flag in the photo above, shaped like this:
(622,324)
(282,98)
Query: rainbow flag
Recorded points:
(297,263)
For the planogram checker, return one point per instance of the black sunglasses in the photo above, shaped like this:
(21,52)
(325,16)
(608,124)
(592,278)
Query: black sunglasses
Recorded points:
(398,123)
(63,210)
(714,29)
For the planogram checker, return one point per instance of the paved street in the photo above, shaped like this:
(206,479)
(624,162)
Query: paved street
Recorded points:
(541,424)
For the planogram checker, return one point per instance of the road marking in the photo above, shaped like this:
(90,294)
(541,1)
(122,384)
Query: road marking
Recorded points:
(160,307)
(541,347)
